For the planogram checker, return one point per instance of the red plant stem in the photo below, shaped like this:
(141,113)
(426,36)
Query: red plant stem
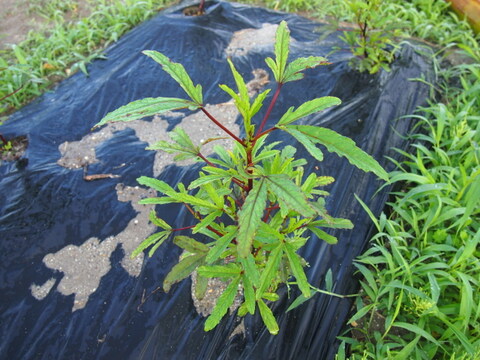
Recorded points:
(258,136)
(5,142)
(216,122)
(183,228)
(269,211)
(270,107)
(200,155)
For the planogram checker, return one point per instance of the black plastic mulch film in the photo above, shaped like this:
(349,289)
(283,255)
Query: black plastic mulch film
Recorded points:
(46,207)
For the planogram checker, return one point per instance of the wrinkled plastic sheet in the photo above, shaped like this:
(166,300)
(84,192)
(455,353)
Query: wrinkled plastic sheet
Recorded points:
(46,207)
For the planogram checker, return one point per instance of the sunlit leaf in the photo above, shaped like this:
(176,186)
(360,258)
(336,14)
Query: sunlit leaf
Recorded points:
(267,317)
(178,73)
(294,69)
(308,108)
(342,146)
(158,237)
(140,109)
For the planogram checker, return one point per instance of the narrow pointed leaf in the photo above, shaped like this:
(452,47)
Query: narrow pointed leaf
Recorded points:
(158,222)
(342,146)
(207,220)
(297,302)
(334,223)
(268,318)
(156,201)
(270,271)
(140,109)
(282,42)
(159,185)
(191,245)
(291,194)
(308,108)
(242,88)
(206,179)
(182,270)
(192,200)
(219,271)
(158,237)
(223,303)
(221,245)
(249,294)
(294,69)
(306,142)
(250,217)
(272,65)
(201,287)
(178,73)
(251,270)
(323,235)
(297,270)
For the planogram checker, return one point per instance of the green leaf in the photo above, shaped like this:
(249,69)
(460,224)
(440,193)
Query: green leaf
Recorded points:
(249,294)
(182,270)
(220,271)
(201,287)
(207,179)
(159,185)
(342,146)
(182,144)
(297,302)
(223,303)
(297,270)
(251,270)
(306,142)
(221,245)
(270,271)
(267,317)
(270,296)
(156,201)
(282,41)
(291,194)
(158,222)
(191,245)
(323,235)
(294,69)
(417,330)
(250,217)
(334,223)
(206,221)
(192,200)
(178,73)
(158,237)
(140,109)
(307,108)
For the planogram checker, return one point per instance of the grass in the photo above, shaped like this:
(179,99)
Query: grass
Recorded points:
(420,275)
(67,45)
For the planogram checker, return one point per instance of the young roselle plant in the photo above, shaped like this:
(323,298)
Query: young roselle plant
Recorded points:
(254,203)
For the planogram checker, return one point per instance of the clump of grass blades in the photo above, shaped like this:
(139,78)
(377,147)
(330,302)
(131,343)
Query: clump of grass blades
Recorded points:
(66,47)
(421,274)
